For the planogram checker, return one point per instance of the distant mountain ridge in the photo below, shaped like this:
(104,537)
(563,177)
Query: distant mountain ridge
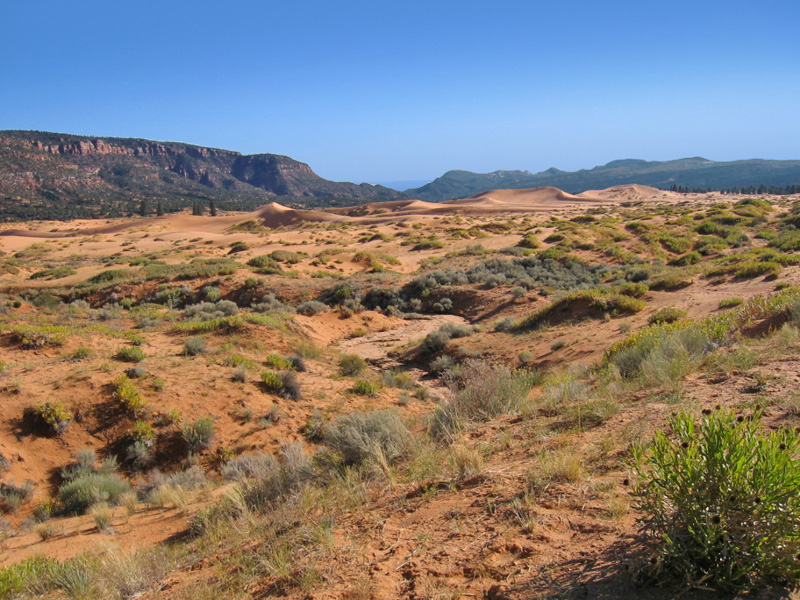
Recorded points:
(63,176)
(690,173)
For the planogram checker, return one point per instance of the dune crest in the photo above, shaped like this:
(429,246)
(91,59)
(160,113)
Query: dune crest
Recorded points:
(630,192)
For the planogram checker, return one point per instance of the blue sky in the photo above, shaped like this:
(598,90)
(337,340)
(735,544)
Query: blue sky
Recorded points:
(372,91)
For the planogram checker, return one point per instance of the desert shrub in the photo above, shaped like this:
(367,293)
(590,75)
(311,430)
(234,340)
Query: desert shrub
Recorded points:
(276,361)
(351,365)
(668,314)
(12,496)
(194,346)
(29,576)
(290,386)
(287,256)
(239,375)
(52,416)
(752,269)
(129,575)
(435,341)
(140,454)
(32,337)
(398,379)
(664,352)
(690,258)
(595,302)
(441,364)
(787,241)
(730,302)
(80,353)
(102,514)
(86,485)
(110,276)
(529,240)
(128,395)
(560,389)
(376,435)
(721,502)
(56,273)
(199,435)
(634,290)
(481,391)
(263,261)
(675,244)
(362,387)
(130,354)
(312,307)
(297,363)
(249,466)
(274,480)
(207,311)
(429,243)
(143,432)
(271,381)
(136,372)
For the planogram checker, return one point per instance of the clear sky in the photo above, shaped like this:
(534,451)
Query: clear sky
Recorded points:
(386,91)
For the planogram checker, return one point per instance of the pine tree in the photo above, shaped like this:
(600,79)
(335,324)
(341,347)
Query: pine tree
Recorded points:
(143,208)
(159,209)
(212,208)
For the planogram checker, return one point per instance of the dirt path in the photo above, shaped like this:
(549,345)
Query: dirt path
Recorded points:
(375,347)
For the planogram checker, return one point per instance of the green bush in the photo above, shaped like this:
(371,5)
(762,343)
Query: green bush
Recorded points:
(130,354)
(752,269)
(721,502)
(88,482)
(529,240)
(351,365)
(199,435)
(277,362)
(54,416)
(730,302)
(362,387)
(690,258)
(271,381)
(668,314)
(128,395)
(194,346)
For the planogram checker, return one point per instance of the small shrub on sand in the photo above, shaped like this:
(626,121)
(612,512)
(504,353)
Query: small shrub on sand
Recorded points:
(482,391)
(375,435)
(130,354)
(362,387)
(194,346)
(351,365)
(721,502)
(666,315)
(102,514)
(53,416)
(199,435)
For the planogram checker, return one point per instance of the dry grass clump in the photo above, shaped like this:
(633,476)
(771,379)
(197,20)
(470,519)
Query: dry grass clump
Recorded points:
(379,435)
(481,392)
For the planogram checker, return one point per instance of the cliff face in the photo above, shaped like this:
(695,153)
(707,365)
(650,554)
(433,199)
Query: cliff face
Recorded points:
(45,174)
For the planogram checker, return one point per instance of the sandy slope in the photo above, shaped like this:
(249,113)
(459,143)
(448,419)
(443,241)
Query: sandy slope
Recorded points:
(631,192)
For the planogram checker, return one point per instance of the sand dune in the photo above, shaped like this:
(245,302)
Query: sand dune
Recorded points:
(278,215)
(275,215)
(631,192)
(536,199)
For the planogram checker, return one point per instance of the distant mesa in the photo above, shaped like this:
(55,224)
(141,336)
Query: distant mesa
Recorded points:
(690,173)
(62,177)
